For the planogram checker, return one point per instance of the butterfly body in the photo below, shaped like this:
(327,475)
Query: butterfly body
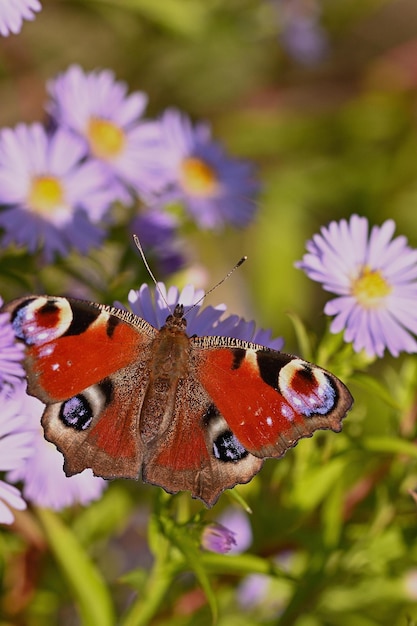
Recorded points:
(186,413)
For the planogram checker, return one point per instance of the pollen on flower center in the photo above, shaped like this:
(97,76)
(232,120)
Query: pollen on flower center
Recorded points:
(46,194)
(370,288)
(106,139)
(198,178)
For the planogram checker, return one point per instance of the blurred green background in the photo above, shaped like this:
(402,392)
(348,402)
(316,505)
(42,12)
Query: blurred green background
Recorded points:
(332,134)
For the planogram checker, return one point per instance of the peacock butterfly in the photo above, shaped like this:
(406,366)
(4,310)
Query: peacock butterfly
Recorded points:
(185,413)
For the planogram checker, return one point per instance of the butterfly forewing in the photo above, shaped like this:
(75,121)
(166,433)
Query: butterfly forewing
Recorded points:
(72,344)
(273,399)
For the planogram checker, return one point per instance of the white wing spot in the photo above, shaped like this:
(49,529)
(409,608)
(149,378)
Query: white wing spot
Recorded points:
(287,412)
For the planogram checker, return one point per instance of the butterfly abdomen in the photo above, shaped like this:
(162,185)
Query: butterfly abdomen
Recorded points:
(169,365)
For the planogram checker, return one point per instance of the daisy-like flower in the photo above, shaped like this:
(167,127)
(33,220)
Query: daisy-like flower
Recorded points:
(215,189)
(11,353)
(51,198)
(13,12)
(15,443)
(41,471)
(207,321)
(375,278)
(97,108)
(157,232)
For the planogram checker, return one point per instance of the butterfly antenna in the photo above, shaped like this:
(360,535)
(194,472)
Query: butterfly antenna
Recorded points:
(238,264)
(142,254)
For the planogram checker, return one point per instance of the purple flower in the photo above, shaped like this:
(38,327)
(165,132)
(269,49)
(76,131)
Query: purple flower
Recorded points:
(253,590)
(374,277)
(11,353)
(217,538)
(51,199)
(200,321)
(238,521)
(302,35)
(15,445)
(41,471)
(410,584)
(215,189)
(157,232)
(13,12)
(96,107)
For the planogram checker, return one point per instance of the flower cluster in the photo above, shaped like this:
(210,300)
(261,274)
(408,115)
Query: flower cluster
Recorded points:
(59,181)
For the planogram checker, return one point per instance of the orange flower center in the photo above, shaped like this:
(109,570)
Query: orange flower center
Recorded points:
(370,288)
(107,140)
(46,194)
(198,178)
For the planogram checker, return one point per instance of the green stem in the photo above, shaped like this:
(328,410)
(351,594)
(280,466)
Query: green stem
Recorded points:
(150,599)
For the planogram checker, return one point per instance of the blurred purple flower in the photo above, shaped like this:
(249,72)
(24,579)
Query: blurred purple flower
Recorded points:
(13,12)
(215,189)
(217,538)
(302,35)
(41,471)
(238,521)
(253,590)
(96,107)
(200,321)
(157,232)
(410,584)
(11,353)
(15,446)
(375,278)
(50,198)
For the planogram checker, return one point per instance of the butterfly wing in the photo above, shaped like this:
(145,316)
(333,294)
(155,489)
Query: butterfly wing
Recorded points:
(87,363)
(269,399)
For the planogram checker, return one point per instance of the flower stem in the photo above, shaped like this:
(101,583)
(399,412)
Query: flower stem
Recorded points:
(151,598)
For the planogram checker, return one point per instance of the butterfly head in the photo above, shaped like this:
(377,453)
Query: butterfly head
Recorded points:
(176,319)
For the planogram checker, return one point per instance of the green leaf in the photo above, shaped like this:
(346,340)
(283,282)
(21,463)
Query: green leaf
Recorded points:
(303,339)
(313,486)
(389,445)
(374,386)
(188,19)
(89,589)
(241,565)
(235,495)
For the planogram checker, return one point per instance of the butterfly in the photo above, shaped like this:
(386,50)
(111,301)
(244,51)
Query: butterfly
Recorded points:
(185,413)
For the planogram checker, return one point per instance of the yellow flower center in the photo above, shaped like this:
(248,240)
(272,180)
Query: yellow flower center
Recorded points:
(46,194)
(370,288)
(198,178)
(106,139)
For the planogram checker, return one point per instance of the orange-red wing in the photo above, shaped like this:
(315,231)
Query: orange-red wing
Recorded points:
(71,344)
(269,399)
